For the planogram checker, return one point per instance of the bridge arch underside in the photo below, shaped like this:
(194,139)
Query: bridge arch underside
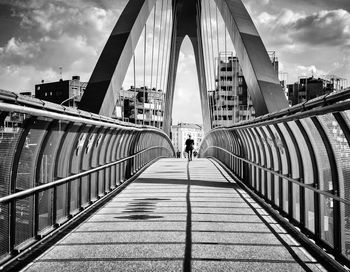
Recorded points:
(300,167)
(109,73)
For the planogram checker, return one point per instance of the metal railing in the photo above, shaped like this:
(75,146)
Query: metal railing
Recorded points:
(298,161)
(56,161)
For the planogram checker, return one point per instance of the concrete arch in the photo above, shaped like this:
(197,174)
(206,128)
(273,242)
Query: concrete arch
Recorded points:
(262,80)
(186,23)
(109,73)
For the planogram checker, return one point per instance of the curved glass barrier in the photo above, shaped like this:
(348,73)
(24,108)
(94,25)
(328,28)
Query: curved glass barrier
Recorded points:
(54,165)
(297,160)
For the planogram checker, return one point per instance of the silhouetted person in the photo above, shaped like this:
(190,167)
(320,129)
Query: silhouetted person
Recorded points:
(189,147)
(178,154)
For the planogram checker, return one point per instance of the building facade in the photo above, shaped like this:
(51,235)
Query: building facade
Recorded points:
(65,92)
(308,88)
(141,106)
(230,102)
(179,135)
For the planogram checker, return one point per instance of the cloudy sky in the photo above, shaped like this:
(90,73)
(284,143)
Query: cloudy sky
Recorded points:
(39,36)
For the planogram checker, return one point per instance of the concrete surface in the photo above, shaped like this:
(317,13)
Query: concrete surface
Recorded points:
(178,217)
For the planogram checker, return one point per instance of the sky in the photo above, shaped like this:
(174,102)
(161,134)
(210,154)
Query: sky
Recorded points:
(39,36)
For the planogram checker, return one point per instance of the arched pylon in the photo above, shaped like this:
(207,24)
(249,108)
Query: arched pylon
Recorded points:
(109,73)
(262,80)
(186,20)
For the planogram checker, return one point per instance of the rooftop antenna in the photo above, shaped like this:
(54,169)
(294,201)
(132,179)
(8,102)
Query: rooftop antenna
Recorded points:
(60,68)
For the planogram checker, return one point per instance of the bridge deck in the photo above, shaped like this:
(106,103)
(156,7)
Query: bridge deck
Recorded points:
(177,217)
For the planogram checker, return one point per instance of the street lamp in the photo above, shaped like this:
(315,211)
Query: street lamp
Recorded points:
(72,97)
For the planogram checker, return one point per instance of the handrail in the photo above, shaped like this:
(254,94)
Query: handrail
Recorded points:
(37,189)
(283,176)
(15,102)
(335,102)
(67,117)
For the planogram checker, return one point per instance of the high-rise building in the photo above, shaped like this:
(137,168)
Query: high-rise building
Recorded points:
(230,102)
(141,106)
(179,135)
(65,92)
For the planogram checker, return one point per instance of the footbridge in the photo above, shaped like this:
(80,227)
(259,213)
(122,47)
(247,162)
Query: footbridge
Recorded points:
(83,191)
(87,192)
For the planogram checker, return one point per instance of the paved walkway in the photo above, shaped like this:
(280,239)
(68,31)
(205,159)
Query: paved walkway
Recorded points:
(178,217)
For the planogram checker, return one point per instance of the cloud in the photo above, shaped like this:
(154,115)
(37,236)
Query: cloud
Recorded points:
(63,33)
(308,35)
(307,70)
(323,28)
(326,28)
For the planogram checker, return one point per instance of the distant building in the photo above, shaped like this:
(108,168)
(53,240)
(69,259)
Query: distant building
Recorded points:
(65,92)
(141,106)
(30,94)
(230,102)
(308,88)
(180,132)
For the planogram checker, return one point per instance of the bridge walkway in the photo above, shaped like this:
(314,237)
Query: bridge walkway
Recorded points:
(178,216)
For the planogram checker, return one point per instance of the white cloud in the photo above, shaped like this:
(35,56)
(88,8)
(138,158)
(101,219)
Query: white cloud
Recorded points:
(70,34)
(309,36)
(310,70)
(24,78)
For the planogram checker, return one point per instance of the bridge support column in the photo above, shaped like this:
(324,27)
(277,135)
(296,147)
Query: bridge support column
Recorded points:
(186,22)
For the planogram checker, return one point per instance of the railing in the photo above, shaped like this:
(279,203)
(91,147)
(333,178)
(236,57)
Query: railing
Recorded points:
(58,161)
(297,160)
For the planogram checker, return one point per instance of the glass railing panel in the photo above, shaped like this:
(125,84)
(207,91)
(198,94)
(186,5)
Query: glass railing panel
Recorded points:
(78,150)
(11,129)
(111,173)
(61,203)
(279,153)
(100,148)
(308,178)
(341,151)
(245,136)
(260,148)
(268,163)
(25,179)
(4,230)
(294,173)
(324,179)
(64,158)
(88,182)
(47,164)
(345,212)
(5,159)
(345,209)
(275,160)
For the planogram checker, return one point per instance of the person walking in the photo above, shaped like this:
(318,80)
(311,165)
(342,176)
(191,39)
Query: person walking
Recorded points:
(178,154)
(189,147)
